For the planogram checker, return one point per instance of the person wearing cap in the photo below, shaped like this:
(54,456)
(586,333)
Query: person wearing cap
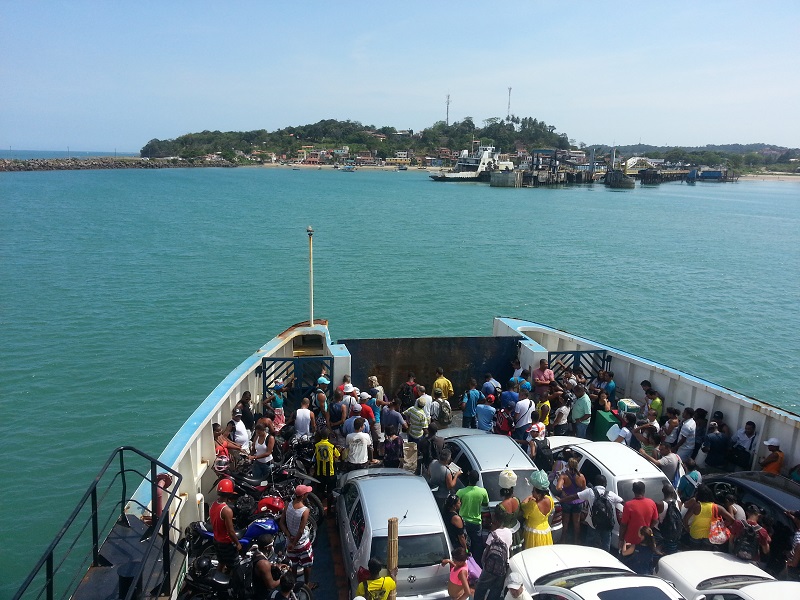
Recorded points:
(221,516)
(349,424)
(773,462)
(320,402)
(416,420)
(298,545)
(345,382)
(443,383)
(719,418)
(239,432)
(359,446)
(516,588)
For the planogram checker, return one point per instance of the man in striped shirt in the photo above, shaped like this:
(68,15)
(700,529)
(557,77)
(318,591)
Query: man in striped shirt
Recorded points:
(417,420)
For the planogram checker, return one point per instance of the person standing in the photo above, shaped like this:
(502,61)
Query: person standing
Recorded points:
(522,416)
(325,457)
(542,378)
(715,445)
(599,534)
(304,422)
(470,403)
(490,387)
(741,452)
(392,448)
(637,513)
(581,411)
(238,431)
(536,510)
(221,516)
(484,415)
(669,461)
(377,587)
(570,482)
(443,383)
(473,499)
(359,447)
(417,421)
(701,510)
(685,444)
(495,561)
(298,544)
(263,443)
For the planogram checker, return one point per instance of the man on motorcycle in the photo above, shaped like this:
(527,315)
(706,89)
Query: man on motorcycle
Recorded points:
(221,516)
(263,580)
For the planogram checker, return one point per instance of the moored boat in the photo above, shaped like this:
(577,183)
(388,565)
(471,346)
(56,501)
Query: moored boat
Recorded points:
(477,166)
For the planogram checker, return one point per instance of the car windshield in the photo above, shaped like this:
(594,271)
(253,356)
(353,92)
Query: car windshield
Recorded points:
(569,578)
(491,481)
(413,550)
(652,488)
(644,592)
(730,581)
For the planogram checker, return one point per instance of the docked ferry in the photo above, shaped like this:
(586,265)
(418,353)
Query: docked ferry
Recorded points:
(124,538)
(477,166)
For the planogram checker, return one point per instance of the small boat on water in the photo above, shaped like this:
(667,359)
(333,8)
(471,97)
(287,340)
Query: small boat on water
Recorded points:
(477,166)
(348,168)
(402,168)
(141,536)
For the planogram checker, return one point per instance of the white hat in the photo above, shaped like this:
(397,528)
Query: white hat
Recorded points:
(348,388)
(355,407)
(514,581)
(365,396)
(773,442)
(507,479)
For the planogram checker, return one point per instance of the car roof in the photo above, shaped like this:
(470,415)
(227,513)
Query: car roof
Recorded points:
(634,584)
(619,459)
(496,452)
(780,490)
(534,563)
(769,590)
(452,432)
(409,498)
(696,566)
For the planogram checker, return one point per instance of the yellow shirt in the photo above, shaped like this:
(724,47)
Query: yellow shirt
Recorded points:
(325,453)
(387,584)
(443,383)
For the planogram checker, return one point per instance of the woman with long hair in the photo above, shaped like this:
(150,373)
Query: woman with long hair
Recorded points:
(701,511)
(454,523)
(458,583)
(641,557)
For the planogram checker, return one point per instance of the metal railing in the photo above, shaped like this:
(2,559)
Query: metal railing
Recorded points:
(589,361)
(106,502)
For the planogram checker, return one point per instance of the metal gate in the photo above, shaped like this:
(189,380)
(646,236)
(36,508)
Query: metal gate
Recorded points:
(589,361)
(302,370)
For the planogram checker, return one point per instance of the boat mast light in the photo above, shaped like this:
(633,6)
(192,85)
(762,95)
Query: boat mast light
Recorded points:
(310,231)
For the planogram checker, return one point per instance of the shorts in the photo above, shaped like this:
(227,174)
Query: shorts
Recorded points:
(302,555)
(226,553)
(571,509)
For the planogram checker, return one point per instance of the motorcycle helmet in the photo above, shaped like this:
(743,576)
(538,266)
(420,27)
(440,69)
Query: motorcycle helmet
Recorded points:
(201,566)
(225,486)
(271,504)
(221,464)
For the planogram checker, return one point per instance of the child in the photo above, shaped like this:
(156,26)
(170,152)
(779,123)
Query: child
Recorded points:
(392,448)
(458,584)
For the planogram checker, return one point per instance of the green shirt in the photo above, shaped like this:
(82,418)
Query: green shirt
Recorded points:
(472,499)
(657,405)
(417,421)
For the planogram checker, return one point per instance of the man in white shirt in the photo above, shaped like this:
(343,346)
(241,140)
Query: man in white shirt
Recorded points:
(239,431)
(685,444)
(359,447)
(428,401)
(516,588)
(598,538)
(304,422)
(522,416)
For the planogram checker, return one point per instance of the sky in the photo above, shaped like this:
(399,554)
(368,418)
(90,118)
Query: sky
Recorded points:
(108,75)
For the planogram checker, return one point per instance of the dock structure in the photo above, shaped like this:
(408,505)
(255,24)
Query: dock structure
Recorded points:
(509,178)
(543,177)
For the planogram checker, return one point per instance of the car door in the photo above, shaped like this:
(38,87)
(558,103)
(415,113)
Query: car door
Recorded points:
(462,459)
(346,507)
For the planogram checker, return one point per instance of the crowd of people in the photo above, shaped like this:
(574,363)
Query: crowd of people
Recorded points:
(355,429)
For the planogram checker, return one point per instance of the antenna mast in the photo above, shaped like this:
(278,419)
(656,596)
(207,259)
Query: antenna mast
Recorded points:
(447,102)
(508,118)
(310,232)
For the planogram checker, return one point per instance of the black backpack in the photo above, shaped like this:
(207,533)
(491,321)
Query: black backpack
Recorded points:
(407,394)
(495,558)
(671,527)
(544,455)
(602,512)
(746,545)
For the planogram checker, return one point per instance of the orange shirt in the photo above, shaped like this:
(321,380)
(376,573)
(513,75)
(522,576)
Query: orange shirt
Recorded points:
(775,466)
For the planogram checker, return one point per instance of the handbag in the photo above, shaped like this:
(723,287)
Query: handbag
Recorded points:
(717,532)
(473,570)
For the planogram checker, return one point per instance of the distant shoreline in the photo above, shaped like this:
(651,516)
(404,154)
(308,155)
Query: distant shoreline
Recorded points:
(104,163)
(791,177)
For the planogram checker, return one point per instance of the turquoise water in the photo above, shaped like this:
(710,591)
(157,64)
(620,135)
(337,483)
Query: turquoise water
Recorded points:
(126,296)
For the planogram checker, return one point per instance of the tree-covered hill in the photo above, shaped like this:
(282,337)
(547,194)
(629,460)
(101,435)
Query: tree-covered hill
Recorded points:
(506,135)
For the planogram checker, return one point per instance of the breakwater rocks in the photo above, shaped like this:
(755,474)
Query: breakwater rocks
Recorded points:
(78,164)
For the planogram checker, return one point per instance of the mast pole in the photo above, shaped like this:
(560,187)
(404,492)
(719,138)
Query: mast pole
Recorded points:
(310,231)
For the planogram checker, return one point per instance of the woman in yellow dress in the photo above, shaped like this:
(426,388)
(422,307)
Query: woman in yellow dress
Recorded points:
(536,510)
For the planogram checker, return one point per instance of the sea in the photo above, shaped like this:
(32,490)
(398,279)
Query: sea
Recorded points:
(126,296)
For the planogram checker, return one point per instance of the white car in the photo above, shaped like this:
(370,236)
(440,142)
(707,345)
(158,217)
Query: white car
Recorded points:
(620,465)
(718,576)
(567,572)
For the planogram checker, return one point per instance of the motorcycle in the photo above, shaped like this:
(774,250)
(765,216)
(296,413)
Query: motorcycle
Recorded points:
(205,582)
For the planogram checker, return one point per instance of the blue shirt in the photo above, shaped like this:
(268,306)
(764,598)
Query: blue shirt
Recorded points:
(485,416)
(490,387)
(509,399)
(611,389)
(373,404)
(392,417)
(470,402)
(349,426)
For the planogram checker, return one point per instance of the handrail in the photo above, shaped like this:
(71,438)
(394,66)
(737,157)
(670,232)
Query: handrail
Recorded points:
(160,524)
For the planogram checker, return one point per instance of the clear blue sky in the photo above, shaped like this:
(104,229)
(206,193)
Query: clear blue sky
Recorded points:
(108,75)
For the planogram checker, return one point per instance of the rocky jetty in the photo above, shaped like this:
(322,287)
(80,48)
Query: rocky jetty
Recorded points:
(78,164)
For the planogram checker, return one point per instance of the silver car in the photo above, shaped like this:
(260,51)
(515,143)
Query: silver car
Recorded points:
(368,499)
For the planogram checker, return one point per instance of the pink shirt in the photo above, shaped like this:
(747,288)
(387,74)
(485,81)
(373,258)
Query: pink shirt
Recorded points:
(543,375)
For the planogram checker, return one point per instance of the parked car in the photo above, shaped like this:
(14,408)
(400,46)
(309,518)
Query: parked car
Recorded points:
(489,455)
(368,499)
(620,465)
(719,576)
(568,572)
(772,493)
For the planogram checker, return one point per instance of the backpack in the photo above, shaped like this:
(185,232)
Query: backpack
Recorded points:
(504,423)
(602,512)
(544,455)
(408,394)
(374,594)
(393,450)
(445,414)
(495,558)
(671,527)
(746,545)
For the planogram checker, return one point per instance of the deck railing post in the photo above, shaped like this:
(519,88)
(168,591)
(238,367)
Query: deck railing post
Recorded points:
(49,575)
(95,530)
(124,482)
